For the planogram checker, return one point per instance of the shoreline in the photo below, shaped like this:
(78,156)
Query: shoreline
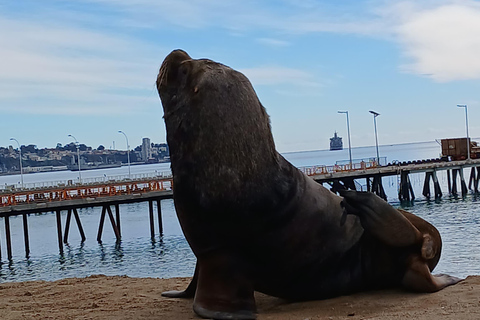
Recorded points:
(122,297)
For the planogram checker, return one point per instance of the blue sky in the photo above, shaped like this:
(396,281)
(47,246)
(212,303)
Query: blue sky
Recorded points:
(88,68)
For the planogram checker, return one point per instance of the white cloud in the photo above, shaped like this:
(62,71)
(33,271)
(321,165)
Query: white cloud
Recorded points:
(439,38)
(78,71)
(442,43)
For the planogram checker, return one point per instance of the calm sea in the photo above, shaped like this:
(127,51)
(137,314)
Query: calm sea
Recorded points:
(457,219)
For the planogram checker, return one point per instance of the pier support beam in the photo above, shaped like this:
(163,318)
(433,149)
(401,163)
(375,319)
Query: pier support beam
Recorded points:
(25,235)
(117,216)
(59,231)
(160,222)
(474,177)
(436,185)
(106,209)
(79,225)
(8,237)
(405,192)
(463,185)
(150,213)
(377,187)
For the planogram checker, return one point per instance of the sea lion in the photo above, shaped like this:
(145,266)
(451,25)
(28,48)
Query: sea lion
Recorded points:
(255,222)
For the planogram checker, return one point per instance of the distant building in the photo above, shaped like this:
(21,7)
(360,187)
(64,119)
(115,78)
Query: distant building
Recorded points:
(146,149)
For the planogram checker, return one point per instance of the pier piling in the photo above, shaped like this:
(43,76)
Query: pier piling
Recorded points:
(160,221)
(59,231)
(8,237)
(25,235)
(106,209)
(405,192)
(117,215)
(150,213)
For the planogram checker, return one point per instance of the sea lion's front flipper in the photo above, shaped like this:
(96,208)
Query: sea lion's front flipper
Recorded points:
(418,277)
(224,289)
(189,292)
(380,219)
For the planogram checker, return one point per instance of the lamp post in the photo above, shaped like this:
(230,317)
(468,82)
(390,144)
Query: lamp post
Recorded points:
(349,144)
(128,151)
(78,158)
(375,115)
(466,125)
(21,166)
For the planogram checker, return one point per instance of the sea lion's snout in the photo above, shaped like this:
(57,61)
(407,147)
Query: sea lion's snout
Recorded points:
(172,69)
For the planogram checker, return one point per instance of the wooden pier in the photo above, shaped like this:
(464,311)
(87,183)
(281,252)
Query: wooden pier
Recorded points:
(342,177)
(109,195)
(72,198)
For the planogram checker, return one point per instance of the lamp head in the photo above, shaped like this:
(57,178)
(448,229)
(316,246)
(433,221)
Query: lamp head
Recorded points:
(375,114)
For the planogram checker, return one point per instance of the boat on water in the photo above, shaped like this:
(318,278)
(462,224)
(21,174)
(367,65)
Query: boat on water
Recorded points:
(336,142)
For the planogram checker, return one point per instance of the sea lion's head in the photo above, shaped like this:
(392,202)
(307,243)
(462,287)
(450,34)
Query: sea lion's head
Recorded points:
(212,112)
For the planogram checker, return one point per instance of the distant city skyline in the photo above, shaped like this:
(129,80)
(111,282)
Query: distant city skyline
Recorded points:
(88,68)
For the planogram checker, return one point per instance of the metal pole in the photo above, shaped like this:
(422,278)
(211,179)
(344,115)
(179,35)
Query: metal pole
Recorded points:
(375,115)
(128,152)
(466,125)
(21,166)
(78,157)
(349,143)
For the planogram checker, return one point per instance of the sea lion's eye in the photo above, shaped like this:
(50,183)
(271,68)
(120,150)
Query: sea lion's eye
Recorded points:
(183,69)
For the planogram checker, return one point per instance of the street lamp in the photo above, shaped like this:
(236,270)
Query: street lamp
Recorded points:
(349,145)
(21,167)
(128,151)
(78,157)
(466,125)
(375,115)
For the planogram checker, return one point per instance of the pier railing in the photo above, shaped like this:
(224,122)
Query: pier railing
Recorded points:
(86,181)
(363,164)
(84,191)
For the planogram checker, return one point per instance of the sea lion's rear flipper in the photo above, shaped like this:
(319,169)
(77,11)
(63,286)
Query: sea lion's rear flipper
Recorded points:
(418,277)
(380,219)
(189,292)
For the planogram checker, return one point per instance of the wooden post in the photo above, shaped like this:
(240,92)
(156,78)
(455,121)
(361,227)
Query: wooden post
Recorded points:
(449,180)
(117,215)
(472,178)
(67,226)
(160,222)
(477,179)
(59,231)
(150,211)
(114,225)
(426,185)
(100,227)
(436,186)
(405,188)
(454,182)
(464,185)
(410,188)
(79,224)
(8,237)
(25,236)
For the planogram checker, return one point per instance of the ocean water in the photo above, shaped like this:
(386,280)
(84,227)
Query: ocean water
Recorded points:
(137,255)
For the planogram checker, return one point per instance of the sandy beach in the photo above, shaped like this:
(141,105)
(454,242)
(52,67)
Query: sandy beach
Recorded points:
(121,297)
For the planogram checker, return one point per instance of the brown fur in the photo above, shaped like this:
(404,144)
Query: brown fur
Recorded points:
(254,221)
